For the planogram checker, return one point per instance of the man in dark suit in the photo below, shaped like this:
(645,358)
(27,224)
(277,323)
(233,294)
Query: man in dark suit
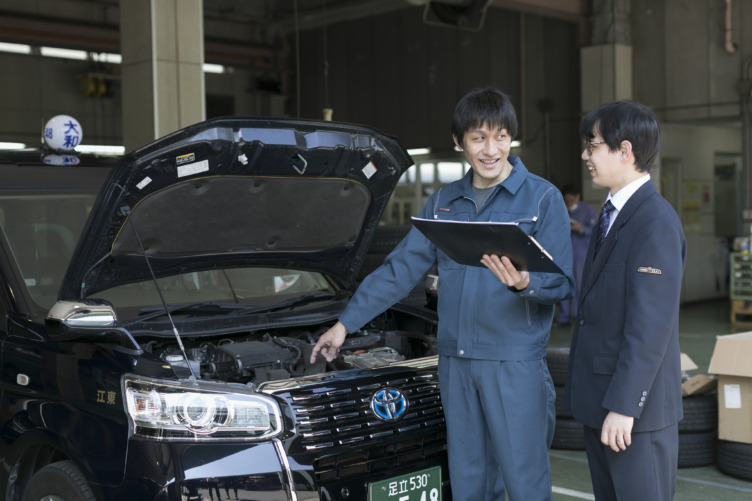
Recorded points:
(624,375)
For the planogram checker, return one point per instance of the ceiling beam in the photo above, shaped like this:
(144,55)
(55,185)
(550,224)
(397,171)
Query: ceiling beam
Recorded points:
(567,10)
(39,31)
(347,11)
(573,11)
(36,31)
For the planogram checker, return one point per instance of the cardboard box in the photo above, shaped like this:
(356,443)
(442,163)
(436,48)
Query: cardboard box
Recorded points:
(687,364)
(698,384)
(732,363)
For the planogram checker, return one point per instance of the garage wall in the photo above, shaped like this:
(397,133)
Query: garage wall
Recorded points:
(391,71)
(33,89)
(404,77)
(682,68)
(681,65)
(396,73)
(696,148)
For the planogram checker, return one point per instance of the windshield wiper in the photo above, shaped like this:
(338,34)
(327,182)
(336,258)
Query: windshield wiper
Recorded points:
(152,312)
(290,303)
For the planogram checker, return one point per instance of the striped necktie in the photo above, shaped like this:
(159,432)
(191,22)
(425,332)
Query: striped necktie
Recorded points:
(603,222)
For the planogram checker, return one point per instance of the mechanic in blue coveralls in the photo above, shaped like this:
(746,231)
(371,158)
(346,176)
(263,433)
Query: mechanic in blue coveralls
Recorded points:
(582,218)
(494,320)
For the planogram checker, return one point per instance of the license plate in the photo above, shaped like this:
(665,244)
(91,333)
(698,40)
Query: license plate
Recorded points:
(424,485)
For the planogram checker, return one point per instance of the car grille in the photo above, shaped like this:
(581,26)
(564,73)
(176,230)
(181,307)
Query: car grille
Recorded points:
(337,427)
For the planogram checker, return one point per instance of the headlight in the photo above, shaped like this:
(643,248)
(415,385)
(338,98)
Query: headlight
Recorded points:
(198,411)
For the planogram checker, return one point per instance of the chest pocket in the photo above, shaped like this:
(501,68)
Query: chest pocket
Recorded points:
(526,225)
(524,220)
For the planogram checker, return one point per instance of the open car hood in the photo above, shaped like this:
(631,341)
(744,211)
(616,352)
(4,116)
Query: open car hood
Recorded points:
(233,192)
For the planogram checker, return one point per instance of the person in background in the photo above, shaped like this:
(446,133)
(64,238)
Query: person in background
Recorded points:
(624,373)
(581,219)
(494,320)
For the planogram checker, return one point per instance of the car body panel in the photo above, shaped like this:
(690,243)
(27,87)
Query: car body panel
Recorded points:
(228,192)
(293,201)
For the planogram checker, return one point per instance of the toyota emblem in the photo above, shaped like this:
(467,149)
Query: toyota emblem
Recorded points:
(388,404)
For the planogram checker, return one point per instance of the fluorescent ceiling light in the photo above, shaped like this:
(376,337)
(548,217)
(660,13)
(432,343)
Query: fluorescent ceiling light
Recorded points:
(64,53)
(15,47)
(12,146)
(102,57)
(107,57)
(213,68)
(100,148)
(419,151)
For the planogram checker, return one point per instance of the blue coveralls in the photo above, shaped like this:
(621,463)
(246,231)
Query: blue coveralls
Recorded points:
(496,391)
(585,214)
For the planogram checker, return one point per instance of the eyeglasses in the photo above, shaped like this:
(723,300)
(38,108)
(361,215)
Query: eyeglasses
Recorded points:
(588,145)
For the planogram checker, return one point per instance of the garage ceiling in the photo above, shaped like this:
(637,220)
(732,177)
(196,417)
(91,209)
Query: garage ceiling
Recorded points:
(236,31)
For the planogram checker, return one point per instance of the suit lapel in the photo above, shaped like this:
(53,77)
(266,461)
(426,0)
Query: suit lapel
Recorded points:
(593,266)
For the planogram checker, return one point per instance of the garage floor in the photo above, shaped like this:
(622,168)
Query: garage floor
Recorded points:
(698,326)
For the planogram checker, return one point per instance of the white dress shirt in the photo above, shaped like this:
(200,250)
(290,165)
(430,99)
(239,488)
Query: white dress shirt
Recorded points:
(619,199)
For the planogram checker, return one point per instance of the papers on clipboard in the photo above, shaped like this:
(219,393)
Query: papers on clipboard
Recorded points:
(466,242)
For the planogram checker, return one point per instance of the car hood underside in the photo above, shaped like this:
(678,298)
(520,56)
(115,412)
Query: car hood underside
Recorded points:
(239,192)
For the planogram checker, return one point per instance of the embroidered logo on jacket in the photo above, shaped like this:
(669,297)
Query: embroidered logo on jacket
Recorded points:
(649,269)
(441,209)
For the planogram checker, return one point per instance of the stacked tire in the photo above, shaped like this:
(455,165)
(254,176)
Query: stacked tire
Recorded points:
(568,434)
(735,459)
(698,431)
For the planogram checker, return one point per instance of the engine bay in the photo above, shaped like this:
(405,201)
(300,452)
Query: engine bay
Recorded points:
(284,353)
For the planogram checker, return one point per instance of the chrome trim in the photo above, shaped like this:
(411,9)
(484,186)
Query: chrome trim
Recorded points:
(293,496)
(272,387)
(83,313)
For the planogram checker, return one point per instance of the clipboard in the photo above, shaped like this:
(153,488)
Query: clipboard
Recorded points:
(466,242)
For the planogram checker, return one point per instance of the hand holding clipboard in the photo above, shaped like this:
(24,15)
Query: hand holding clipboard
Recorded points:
(466,242)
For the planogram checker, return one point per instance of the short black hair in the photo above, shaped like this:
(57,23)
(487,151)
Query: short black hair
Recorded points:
(625,121)
(484,105)
(570,189)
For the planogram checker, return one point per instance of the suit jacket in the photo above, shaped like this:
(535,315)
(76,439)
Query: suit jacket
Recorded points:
(625,353)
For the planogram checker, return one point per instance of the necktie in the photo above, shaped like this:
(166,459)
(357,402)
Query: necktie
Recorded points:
(608,207)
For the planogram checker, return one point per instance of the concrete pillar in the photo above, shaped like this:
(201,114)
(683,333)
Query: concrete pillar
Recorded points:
(606,70)
(610,22)
(162,44)
(606,64)
(605,74)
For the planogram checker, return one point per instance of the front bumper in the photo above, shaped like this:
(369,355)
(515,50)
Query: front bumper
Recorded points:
(336,446)
(190,472)
(174,471)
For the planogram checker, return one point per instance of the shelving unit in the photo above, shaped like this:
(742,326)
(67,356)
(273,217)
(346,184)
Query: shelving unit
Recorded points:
(740,287)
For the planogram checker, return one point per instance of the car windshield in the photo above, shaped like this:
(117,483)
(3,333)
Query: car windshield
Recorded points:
(255,288)
(42,229)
